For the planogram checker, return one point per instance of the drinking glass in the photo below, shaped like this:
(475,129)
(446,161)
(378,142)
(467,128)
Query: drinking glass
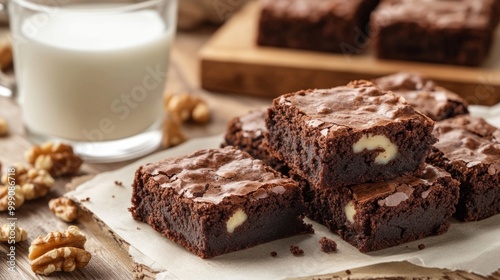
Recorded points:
(92,73)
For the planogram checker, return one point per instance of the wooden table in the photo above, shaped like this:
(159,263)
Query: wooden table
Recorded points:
(109,260)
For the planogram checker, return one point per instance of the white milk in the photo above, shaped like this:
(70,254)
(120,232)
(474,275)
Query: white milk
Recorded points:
(90,76)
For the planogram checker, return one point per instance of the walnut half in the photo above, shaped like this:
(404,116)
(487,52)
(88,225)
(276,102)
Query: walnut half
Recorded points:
(57,158)
(59,251)
(64,259)
(5,232)
(64,208)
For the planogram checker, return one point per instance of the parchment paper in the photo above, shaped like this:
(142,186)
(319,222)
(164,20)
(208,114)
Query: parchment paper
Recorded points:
(473,247)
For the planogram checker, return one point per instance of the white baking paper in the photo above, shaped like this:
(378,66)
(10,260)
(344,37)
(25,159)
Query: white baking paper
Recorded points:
(473,247)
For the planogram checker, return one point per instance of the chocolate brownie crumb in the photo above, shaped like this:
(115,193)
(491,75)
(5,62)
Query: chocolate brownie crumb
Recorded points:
(274,254)
(119,183)
(328,245)
(85,199)
(348,272)
(296,251)
(421,246)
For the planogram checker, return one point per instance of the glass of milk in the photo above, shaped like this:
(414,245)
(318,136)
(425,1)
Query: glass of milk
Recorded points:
(92,73)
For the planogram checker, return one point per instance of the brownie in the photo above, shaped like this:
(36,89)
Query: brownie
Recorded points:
(441,31)
(469,148)
(424,95)
(217,201)
(348,135)
(248,133)
(320,25)
(374,216)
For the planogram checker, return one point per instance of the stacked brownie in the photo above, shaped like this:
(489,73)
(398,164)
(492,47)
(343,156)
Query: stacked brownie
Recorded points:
(321,25)
(358,152)
(348,135)
(217,201)
(440,31)
(307,128)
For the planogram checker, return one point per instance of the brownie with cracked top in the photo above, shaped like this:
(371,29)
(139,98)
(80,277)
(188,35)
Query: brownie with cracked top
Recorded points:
(440,31)
(249,133)
(469,148)
(321,25)
(217,201)
(424,95)
(348,135)
(374,216)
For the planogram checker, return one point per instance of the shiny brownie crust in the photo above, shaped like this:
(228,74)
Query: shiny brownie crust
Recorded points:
(424,95)
(325,135)
(194,200)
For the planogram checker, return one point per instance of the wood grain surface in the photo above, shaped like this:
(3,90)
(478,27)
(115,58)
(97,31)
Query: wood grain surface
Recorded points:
(109,256)
(232,62)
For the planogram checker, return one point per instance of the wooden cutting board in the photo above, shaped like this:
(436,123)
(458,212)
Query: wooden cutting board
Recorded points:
(231,62)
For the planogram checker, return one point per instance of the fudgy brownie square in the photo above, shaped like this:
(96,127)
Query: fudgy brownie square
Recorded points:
(249,133)
(217,201)
(321,25)
(469,148)
(375,216)
(424,95)
(348,135)
(441,31)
